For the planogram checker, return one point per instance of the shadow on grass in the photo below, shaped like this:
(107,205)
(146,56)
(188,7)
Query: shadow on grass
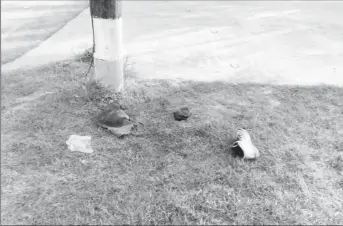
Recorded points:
(172,172)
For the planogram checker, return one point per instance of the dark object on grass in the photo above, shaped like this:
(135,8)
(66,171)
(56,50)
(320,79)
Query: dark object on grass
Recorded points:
(115,120)
(182,114)
(87,56)
(236,150)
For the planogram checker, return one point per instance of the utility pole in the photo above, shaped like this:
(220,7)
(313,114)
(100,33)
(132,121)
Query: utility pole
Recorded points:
(108,39)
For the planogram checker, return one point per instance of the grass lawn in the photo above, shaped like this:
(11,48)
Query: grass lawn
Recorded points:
(169,172)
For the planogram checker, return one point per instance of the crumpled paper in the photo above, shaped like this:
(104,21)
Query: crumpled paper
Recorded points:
(80,143)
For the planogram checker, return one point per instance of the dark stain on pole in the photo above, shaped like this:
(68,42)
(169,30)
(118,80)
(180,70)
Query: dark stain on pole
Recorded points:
(106,9)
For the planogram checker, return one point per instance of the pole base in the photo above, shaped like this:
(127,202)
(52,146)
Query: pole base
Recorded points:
(109,73)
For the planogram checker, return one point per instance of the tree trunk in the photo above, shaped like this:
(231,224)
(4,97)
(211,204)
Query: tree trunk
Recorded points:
(108,55)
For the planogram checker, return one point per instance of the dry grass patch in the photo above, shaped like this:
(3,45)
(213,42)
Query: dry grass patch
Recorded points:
(169,172)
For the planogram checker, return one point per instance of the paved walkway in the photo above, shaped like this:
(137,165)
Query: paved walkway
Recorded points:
(266,42)
(26,24)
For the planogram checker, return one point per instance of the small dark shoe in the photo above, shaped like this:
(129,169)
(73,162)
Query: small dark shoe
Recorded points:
(182,114)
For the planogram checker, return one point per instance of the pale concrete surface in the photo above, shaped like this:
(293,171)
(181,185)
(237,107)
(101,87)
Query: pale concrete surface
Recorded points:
(266,42)
(71,40)
(26,24)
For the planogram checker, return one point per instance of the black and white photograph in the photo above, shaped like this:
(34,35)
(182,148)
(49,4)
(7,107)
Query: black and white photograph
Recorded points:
(174,112)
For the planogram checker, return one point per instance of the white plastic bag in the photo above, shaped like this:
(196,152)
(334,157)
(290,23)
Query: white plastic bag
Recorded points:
(80,143)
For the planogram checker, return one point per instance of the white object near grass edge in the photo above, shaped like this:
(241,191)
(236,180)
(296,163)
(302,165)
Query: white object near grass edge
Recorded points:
(108,56)
(80,143)
(245,143)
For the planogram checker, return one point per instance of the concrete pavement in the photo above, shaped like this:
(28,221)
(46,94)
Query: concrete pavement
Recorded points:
(266,42)
(26,24)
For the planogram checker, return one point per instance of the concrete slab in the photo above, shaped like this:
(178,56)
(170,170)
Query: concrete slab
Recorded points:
(71,40)
(265,42)
(26,24)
